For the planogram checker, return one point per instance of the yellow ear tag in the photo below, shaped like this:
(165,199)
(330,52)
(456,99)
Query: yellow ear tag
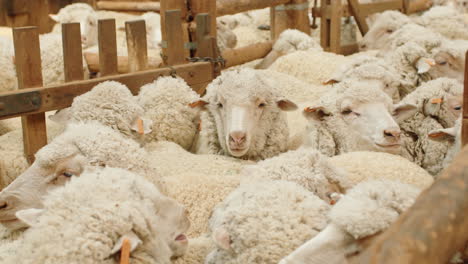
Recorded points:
(125,252)
(140,127)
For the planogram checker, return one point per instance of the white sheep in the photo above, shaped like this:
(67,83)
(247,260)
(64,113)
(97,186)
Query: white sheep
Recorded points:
(354,116)
(244,117)
(80,146)
(362,166)
(289,41)
(445,20)
(439,104)
(371,69)
(171,105)
(81,13)
(111,104)
(77,228)
(366,210)
(264,221)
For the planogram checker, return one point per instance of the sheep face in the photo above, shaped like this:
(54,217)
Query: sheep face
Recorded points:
(27,190)
(446,65)
(359,121)
(383,26)
(83,14)
(445,109)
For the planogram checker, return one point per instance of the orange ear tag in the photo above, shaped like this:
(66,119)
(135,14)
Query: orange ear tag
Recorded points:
(309,110)
(195,104)
(125,252)
(140,127)
(436,100)
(435,135)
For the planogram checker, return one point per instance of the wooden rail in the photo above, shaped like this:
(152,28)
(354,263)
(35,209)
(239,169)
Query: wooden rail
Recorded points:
(129,6)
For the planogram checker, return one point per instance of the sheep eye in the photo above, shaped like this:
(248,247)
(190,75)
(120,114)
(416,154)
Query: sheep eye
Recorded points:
(67,174)
(262,105)
(457,108)
(220,105)
(442,63)
(389,31)
(346,112)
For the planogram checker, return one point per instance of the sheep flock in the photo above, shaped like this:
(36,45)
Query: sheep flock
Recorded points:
(295,158)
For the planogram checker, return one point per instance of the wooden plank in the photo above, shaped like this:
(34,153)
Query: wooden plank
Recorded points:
(92,59)
(181,5)
(129,6)
(300,16)
(107,47)
(465,104)
(279,22)
(349,49)
(230,7)
(245,54)
(335,26)
(325,25)
(61,96)
(136,45)
(359,16)
(29,73)
(205,6)
(72,54)
(204,44)
(418,6)
(433,229)
(174,51)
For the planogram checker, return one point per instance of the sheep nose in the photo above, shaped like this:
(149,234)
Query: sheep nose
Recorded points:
(362,46)
(392,133)
(237,137)
(83,38)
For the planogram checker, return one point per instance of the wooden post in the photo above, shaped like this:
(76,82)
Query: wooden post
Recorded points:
(205,6)
(334,25)
(292,15)
(433,229)
(128,6)
(72,54)
(359,16)
(107,47)
(205,47)
(180,5)
(29,72)
(230,7)
(465,105)
(406,6)
(174,51)
(136,45)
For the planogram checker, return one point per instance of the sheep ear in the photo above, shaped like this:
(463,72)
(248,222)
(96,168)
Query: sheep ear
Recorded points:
(315,113)
(432,106)
(442,134)
(62,116)
(54,17)
(331,81)
(286,105)
(222,238)
(404,111)
(29,216)
(199,103)
(269,60)
(424,65)
(131,237)
(142,125)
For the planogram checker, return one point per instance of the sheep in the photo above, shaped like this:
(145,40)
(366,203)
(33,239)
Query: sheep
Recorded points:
(439,104)
(445,20)
(289,41)
(111,104)
(199,182)
(80,146)
(384,25)
(282,214)
(365,210)
(153,223)
(307,167)
(82,13)
(313,67)
(8,125)
(371,69)
(449,60)
(8,73)
(241,121)
(197,250)
(170,104)
(354,116)
(362,166)
(452,136)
